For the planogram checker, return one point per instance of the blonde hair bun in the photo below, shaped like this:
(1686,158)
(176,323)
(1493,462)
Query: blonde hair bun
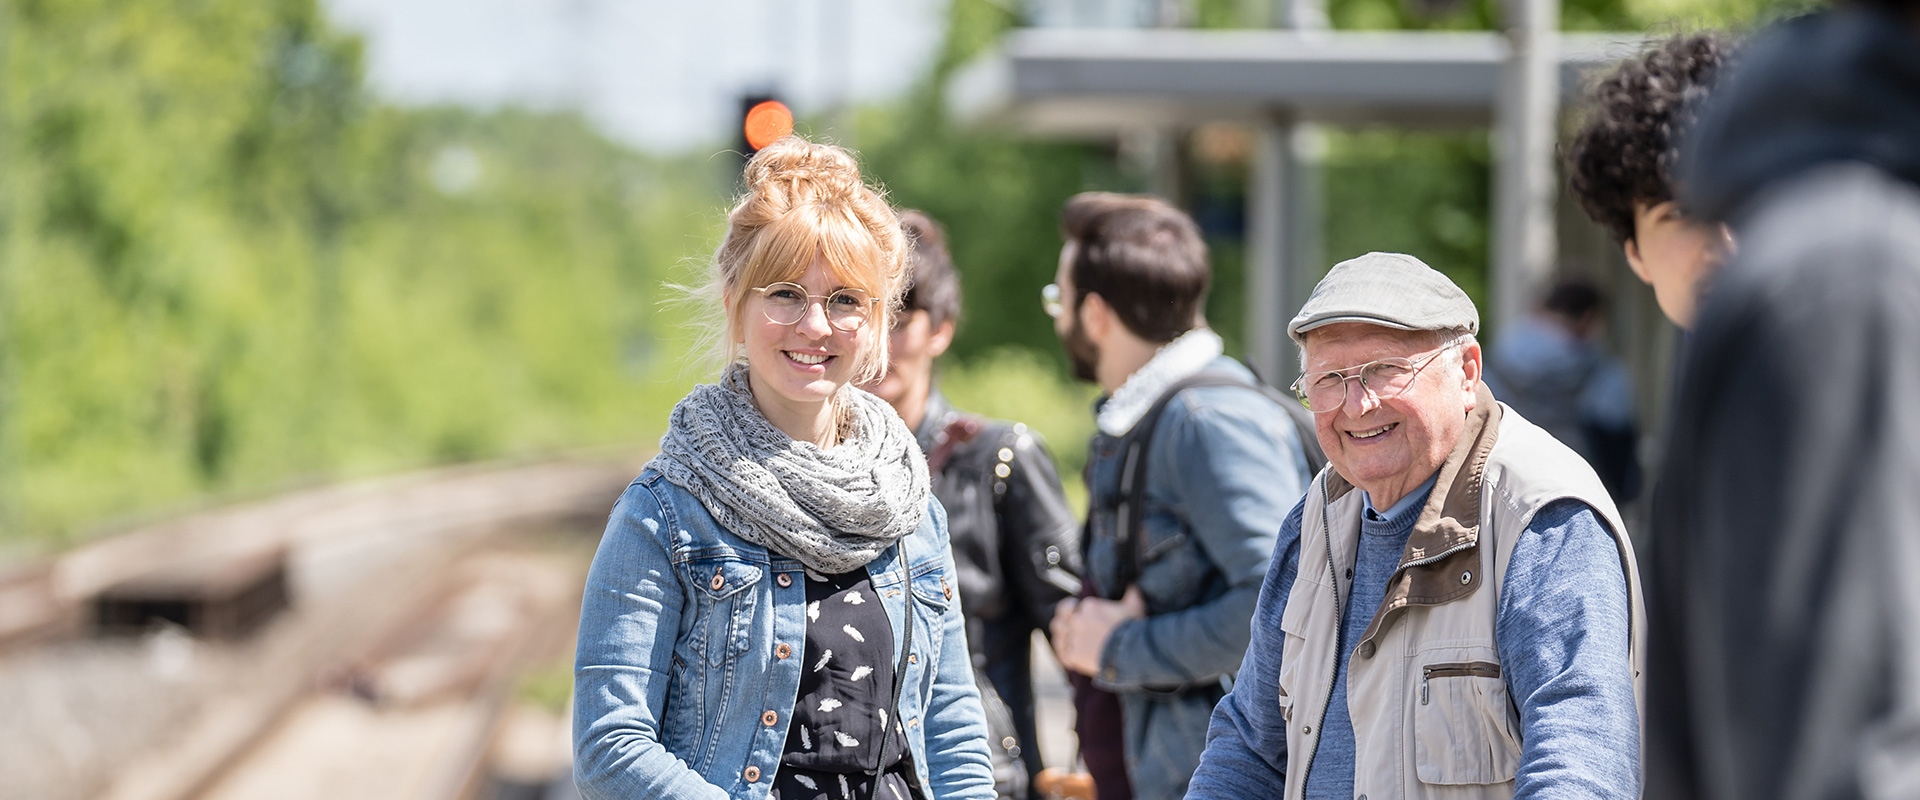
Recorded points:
(795,170)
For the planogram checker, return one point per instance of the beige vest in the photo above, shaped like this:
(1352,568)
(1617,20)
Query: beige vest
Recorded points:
(1429,703)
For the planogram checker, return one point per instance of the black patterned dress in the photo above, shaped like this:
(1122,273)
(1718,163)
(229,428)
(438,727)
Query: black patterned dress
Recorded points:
(845,705)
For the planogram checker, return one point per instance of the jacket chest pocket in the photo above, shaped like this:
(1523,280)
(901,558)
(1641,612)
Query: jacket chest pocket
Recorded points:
(933,592)
(724,599)
(1464,724)
(1171,571)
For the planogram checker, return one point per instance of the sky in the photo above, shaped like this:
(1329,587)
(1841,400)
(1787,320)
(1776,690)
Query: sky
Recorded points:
(658,74)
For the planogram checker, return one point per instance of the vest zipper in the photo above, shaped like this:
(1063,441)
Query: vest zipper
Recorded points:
(1339,635)
(1429,559)
(1470,669)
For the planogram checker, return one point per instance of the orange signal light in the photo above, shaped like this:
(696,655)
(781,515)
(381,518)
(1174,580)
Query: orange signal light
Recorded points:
(768,122)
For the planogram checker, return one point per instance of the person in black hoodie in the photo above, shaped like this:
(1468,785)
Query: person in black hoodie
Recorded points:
(1783,571)
(1015,541)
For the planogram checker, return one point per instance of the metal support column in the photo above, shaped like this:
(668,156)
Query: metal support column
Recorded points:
(1284,221)
(1267,273)
(1523,227)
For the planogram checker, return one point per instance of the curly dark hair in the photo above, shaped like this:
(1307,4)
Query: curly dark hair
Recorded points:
(1624,153)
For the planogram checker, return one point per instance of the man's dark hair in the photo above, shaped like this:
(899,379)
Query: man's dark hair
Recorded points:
(932,284)
(1625,151)
(1143,256)
(1573,298)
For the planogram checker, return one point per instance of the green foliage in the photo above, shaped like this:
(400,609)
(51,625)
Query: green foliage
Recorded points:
(998,194)
(225,267)
(1000,200)
(1422,193)
(1576,15)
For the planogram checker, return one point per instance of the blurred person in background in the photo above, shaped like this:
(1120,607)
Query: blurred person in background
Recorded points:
(1549,367)
(1172,573)
(1621,167)
(1454,610)
(1784,566)
(1015,540)
(771,612)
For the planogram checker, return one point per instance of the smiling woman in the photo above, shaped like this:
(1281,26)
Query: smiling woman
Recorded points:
(785,544)
(808,229)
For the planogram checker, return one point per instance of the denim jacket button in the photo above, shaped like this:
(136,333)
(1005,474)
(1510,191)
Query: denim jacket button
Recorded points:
(913,658)
(769,719)
(782,651)
(717,582)
(753,773)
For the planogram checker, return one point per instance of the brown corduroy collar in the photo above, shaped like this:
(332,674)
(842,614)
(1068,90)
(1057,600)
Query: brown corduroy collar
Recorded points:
(1440,561)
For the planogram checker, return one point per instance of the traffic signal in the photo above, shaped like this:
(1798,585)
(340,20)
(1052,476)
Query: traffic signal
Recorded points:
(763,121)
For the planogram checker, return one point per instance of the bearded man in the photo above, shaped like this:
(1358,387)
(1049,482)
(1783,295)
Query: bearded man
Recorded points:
(1191,472)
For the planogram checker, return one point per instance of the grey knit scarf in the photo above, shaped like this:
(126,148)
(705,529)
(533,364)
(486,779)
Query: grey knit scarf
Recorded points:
(833,509)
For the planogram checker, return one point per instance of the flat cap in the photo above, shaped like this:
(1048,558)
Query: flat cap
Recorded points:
(1391,290)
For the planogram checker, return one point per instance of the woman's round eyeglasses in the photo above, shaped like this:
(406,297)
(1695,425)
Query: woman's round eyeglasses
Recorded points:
(786,303)
(1386,378)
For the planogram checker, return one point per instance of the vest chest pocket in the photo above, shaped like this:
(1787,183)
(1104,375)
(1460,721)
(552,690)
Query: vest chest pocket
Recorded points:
(724,604)
(1465,728)
(1293,628)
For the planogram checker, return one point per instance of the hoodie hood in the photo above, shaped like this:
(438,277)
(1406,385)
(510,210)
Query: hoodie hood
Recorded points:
(1837,86)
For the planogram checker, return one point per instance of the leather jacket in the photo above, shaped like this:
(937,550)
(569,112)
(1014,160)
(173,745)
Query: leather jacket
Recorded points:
(1016,549)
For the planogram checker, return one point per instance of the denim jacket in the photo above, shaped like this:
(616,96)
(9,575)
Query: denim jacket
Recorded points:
(1224,468)
(690,651)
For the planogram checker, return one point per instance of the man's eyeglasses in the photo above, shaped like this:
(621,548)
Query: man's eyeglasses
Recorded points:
(1385,378)
(786,304)
(1050,300)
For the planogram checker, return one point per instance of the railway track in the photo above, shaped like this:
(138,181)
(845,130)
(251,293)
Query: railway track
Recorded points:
(417,606)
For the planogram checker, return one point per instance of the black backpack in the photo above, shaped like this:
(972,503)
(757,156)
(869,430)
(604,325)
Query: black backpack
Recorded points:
(1133,467)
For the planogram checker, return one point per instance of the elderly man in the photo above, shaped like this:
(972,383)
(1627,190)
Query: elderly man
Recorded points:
(1461,617)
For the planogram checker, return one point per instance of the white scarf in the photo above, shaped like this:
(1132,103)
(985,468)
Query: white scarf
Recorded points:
(1175,361)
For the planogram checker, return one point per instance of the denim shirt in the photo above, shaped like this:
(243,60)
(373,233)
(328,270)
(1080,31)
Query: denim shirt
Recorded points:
(1224,467)
(690,651)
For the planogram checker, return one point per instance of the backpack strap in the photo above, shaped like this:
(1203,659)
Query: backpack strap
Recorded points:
(1131,511)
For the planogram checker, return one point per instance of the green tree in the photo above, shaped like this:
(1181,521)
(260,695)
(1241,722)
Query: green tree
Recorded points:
(225,266)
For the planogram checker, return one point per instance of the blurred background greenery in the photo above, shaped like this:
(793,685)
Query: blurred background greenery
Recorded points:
(227,267)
